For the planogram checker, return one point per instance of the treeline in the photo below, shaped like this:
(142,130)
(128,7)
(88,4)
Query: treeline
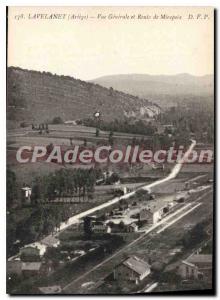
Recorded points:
(197,119)
(65,183)
(12,188)
(62,183)
(138,127)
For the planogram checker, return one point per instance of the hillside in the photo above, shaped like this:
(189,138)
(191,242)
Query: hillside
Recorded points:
(39,96)
(162,89)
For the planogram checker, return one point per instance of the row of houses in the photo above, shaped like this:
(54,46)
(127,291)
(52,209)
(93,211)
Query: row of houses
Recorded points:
(195,267)
(128,219)
(103,227)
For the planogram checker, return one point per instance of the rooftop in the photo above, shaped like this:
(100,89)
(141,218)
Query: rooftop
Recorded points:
(37,247)
(185,262)
(99,223)
(29,250)
(155,205)
(200,258)
(50,241)
(133,225)
(136,264)
(26,188)
(31,266)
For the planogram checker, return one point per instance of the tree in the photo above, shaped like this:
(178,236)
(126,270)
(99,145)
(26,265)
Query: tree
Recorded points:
(97,132)
(57,120)
(23,124)
(122,226)
(88,226)
(49,148)
(170,277)
(156,143)
(12,188)
(112,179)
(111,90)
(110,138)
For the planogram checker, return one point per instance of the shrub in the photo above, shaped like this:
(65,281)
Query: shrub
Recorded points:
(57,120)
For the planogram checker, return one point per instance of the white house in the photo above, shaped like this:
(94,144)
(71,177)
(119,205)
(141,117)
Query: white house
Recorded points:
(26,193)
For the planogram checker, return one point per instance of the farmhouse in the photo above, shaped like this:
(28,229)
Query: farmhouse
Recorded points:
(132,269)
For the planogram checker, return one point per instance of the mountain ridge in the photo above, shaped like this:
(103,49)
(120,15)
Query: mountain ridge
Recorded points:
(159,87)
(35,96)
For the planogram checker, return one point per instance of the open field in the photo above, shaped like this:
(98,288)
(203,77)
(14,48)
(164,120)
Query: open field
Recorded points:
(61,134)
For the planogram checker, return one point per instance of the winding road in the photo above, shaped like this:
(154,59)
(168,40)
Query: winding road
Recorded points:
(75,219)
(176,169)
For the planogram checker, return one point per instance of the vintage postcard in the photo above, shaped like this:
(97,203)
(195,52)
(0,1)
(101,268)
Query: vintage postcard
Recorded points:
(110,150)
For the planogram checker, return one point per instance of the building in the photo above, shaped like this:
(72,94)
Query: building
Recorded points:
(30,253)
(153,212)
(26,194)
(37,248)
(50,241)
(123,226)
(100,227)
(204,264)
(187,270)
(132,269)
(31,268)
(133,227)
(151,217)
(197,266)
(19,267)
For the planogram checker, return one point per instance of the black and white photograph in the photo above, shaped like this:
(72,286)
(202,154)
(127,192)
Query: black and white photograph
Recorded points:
(110,140)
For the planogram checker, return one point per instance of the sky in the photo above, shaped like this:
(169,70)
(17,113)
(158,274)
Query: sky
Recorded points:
(95,47)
